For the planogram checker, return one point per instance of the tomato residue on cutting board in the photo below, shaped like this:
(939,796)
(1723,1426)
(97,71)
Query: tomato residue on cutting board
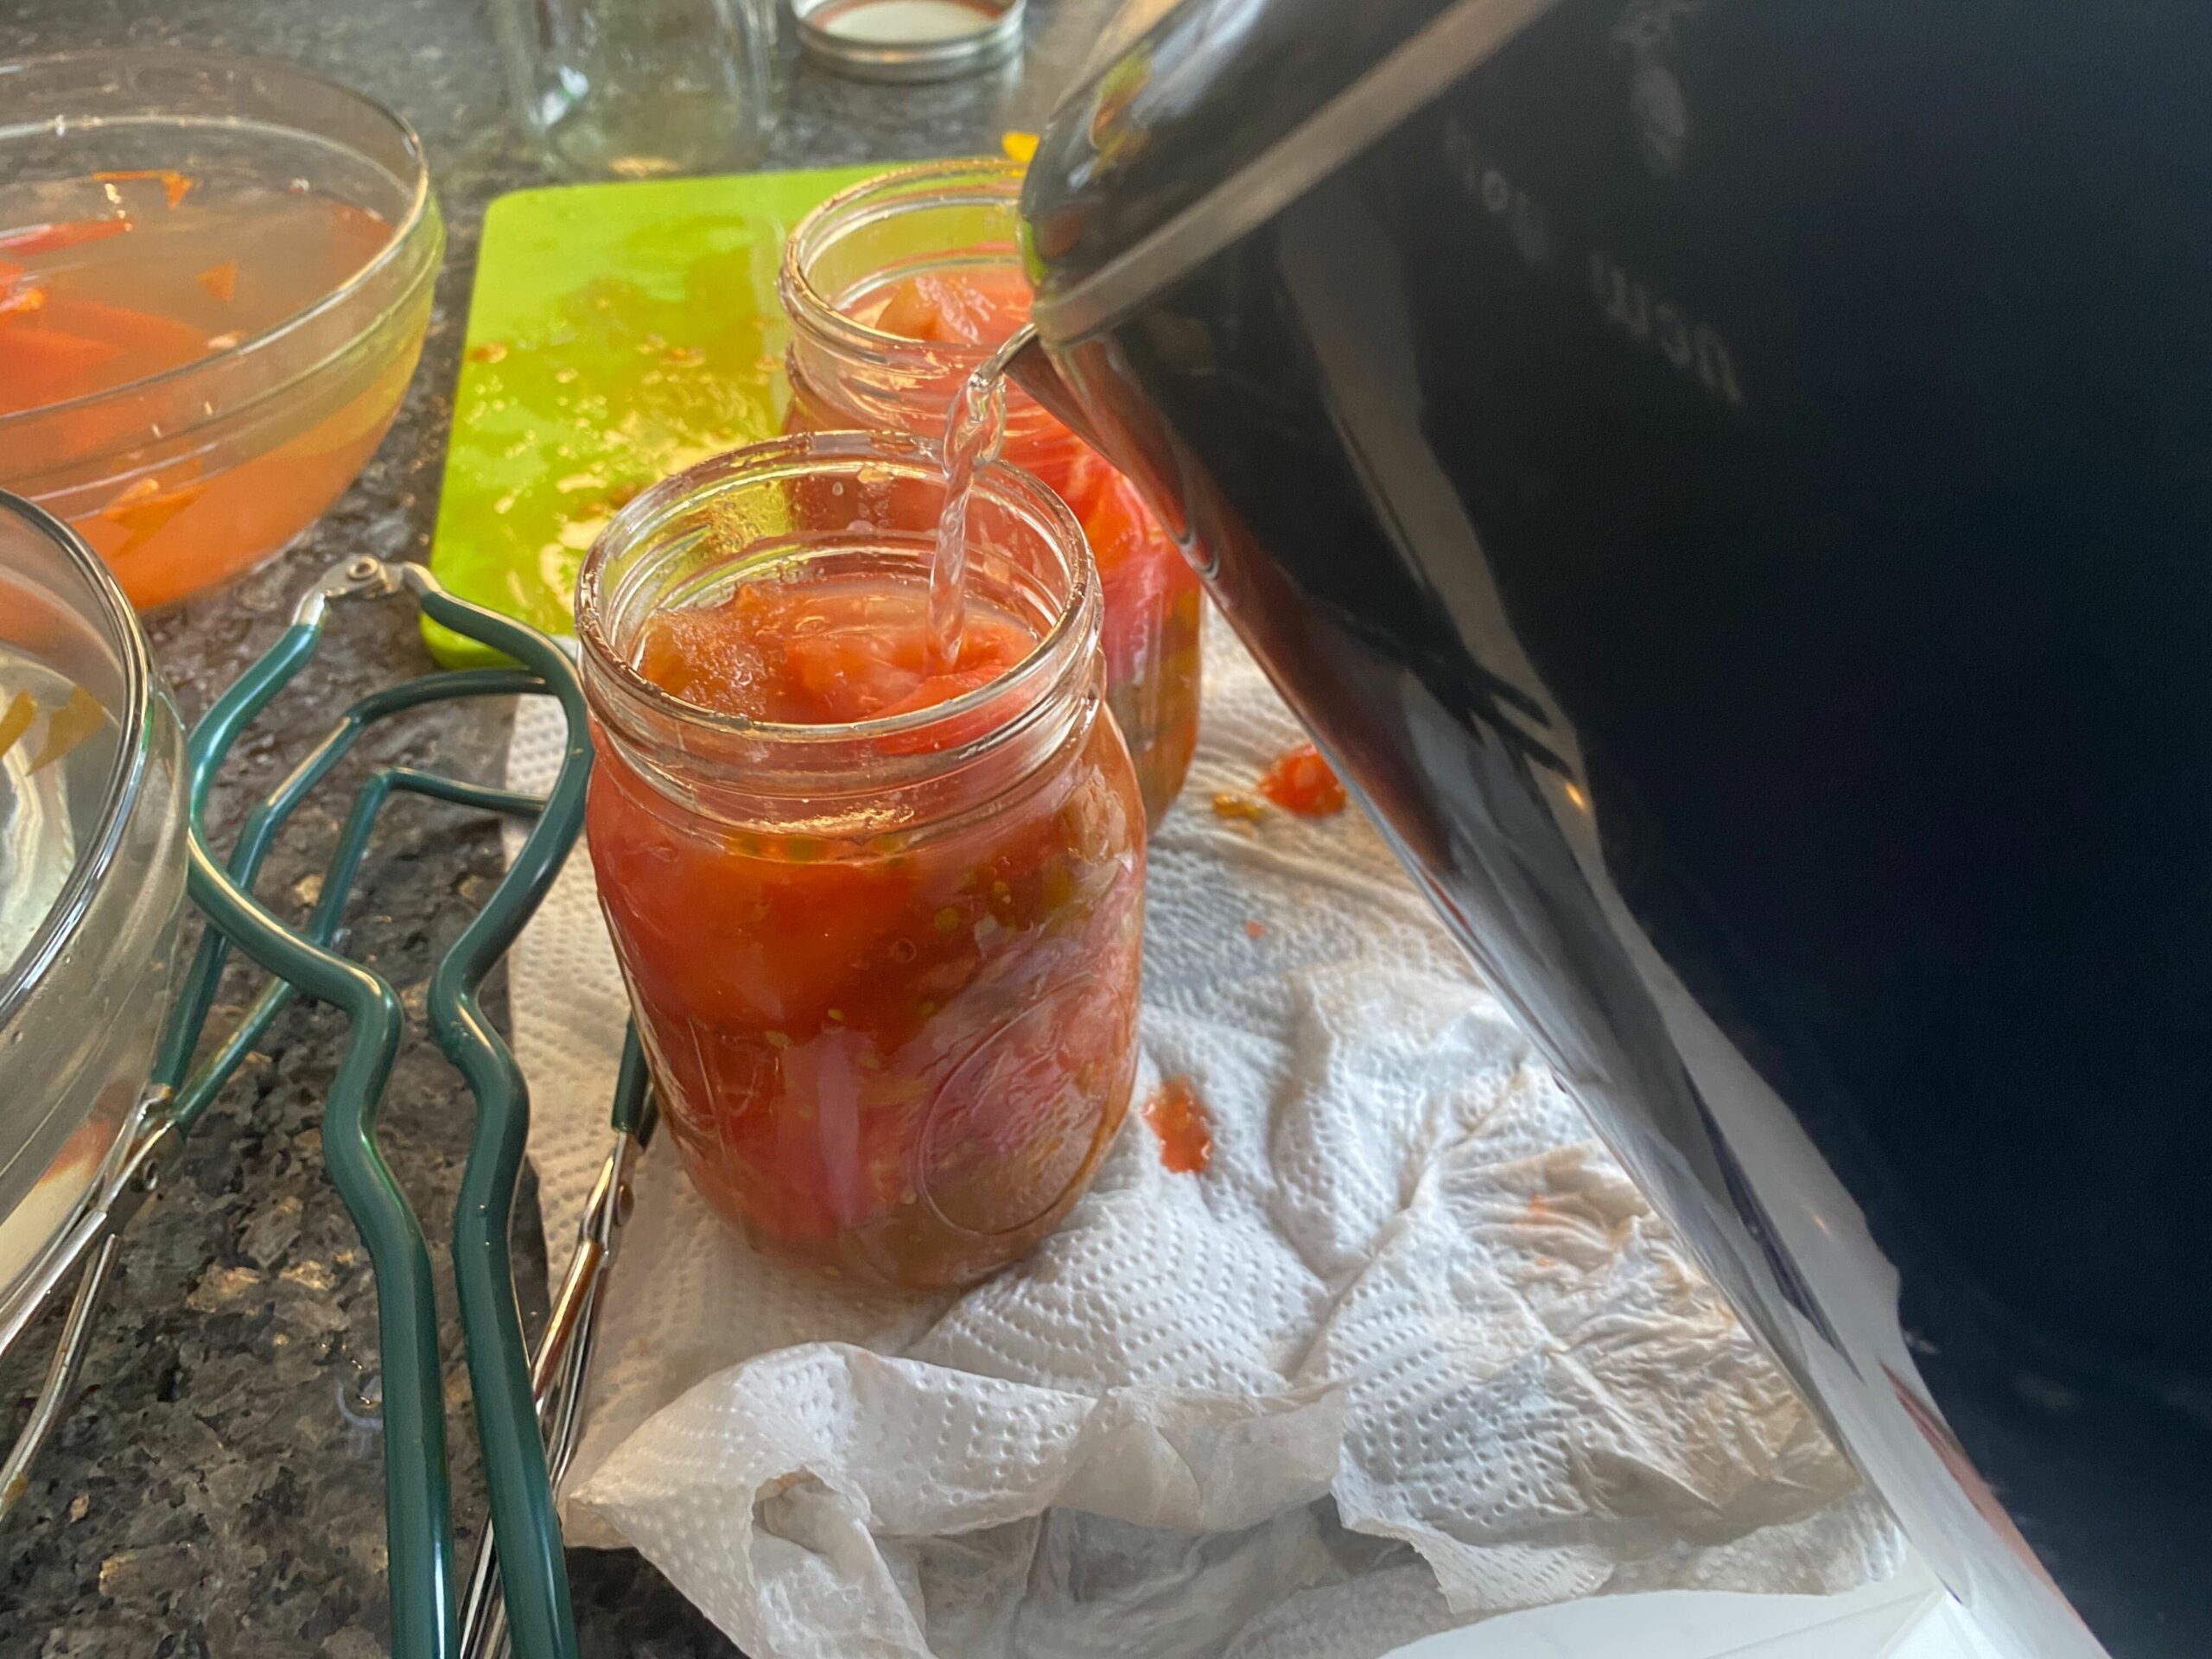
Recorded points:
(1178,1117)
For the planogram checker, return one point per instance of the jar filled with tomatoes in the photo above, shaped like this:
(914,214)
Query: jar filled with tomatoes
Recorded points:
(878,904)
(898,289)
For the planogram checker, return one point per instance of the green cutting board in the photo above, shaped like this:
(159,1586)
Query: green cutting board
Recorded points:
(617,334)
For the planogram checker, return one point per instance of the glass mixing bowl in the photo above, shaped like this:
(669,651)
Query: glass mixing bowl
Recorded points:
(184,478)
(91,873)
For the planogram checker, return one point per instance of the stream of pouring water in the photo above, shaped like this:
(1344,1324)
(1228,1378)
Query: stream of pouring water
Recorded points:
(974,427)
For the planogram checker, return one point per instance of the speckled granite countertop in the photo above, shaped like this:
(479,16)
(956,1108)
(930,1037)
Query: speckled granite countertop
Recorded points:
(218,1491)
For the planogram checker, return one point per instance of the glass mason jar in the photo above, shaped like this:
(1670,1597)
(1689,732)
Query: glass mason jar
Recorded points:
(639,89)
(955,222)
(885,970)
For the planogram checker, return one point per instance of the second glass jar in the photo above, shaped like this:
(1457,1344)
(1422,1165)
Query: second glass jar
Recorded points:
(880,922)
(898,289)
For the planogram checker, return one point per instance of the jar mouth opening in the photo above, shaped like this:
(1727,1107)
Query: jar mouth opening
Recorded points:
(930,186)
(603,607)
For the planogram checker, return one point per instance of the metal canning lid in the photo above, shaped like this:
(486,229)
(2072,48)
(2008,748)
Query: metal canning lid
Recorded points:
(908,40)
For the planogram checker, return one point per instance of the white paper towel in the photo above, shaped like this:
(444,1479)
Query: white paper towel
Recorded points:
(1411,1351)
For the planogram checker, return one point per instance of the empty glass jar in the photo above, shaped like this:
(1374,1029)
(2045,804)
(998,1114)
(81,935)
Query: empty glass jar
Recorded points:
(639,89)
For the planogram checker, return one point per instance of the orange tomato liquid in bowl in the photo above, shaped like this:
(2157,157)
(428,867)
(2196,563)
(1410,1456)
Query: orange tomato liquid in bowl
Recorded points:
(896,1057)
(117,280)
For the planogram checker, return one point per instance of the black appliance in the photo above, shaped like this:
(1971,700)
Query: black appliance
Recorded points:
(1730,481)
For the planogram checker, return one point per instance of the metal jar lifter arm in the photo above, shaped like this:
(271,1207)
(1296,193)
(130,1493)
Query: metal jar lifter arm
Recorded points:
(562,1361)
(419,1526)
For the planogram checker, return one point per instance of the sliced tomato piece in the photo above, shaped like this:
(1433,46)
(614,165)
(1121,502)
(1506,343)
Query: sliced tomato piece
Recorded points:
(70,725)
(155,341)
(174,185)
(977,306)
(145,506)
(21,711)
(52,238)
(39,365)
(1116,522)
(848,674)
(20,300)
(911,312)
(692,655)
(943,688)
(1142,575)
